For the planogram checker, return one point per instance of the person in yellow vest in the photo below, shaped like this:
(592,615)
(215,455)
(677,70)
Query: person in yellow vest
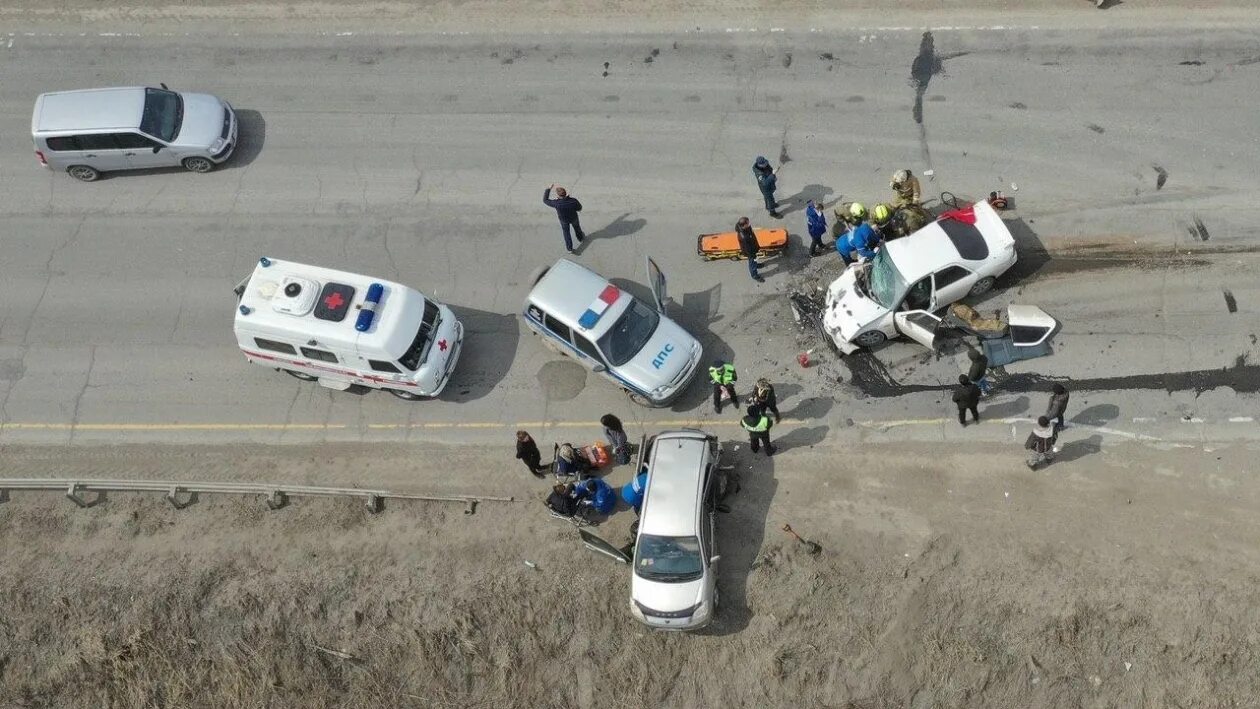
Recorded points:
(906,187)
(758,426)
(722,375)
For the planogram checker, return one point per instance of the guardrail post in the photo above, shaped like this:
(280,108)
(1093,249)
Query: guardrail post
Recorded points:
(172,496)
(4,495)
(72,494)
(375,504)
(277,499)
(471,508)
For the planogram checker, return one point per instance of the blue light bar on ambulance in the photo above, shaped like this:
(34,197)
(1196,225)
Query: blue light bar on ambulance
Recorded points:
(607,297)
(367,311)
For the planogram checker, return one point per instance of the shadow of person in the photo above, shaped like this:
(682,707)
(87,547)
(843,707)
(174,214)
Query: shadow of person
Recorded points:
(796,203)
(740,534)
(621,226)
(799,438)
(1006,408)
(1079,449)
(490,341)
(699,311)
(1098,415)
(812,408)
(792,259)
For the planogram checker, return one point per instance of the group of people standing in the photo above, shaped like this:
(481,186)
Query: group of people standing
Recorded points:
(1041,441)
(763,402)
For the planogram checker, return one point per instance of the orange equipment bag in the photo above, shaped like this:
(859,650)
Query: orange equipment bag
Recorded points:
(598,455)
(712,247)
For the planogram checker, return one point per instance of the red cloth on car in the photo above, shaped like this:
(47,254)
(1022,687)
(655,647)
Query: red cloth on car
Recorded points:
(966,215)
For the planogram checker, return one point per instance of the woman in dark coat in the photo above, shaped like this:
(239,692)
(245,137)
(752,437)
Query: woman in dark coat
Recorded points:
(527,452)
(616,435)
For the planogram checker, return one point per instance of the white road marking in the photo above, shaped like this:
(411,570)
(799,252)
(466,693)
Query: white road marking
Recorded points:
(1241,419)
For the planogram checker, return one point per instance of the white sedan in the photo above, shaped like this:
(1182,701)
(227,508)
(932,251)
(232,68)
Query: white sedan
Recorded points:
(897,292)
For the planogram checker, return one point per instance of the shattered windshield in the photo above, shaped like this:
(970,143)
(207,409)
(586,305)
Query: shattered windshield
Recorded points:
(886,283)
(668,559)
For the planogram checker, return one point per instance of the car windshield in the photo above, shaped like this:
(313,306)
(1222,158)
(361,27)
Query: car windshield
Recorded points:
(632,331)
(886,283)
(668,559)
(163,114)
(418,352)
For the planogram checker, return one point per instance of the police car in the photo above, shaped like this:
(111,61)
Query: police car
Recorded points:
(343,329)
(632,344)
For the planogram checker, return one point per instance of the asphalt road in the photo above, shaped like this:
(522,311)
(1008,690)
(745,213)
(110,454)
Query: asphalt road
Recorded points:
(423,159)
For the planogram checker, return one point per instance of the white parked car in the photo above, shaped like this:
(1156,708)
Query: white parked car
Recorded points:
(910,278)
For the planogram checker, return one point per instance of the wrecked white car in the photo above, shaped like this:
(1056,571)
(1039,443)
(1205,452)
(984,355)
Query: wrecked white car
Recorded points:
(962,253)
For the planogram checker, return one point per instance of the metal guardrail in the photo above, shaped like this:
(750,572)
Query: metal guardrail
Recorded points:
(183,493)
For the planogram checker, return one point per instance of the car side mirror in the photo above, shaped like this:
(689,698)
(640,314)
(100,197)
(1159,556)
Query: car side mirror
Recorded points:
(715,558)
(598,368)
(156,148)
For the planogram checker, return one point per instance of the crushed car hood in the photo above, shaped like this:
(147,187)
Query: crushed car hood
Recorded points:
(846,311)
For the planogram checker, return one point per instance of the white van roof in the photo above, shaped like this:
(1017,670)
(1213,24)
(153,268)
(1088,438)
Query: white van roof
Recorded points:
(89,109)
(325,307)
(675,484)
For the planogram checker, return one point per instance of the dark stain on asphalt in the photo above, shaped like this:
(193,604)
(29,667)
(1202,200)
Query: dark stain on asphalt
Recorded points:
(1161,177)
(1230,303)
(1198,231)
(1191,62)
(935,99)
(925,65)
(1019,106)
(656,52)
(1096,128)
(605,69)
(784,158)
(827,56)
(647,60)
(1248,61)
(855,99)
(872,380)
(787,60)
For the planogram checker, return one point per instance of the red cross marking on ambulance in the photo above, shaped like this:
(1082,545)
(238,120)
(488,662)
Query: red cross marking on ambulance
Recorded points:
(442,345)
(334,301)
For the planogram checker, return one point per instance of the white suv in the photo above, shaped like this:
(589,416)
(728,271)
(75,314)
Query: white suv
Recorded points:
(673,586)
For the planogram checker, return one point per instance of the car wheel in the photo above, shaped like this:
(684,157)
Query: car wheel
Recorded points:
(300,375)
(982,286)
(871,338)
(638,398)
(84,173)
(198,164)
(405,395)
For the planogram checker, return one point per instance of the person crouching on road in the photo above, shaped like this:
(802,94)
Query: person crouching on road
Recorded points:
(906,186)
(748,246)
(758,426)
(562,501)
(722,375)
(816,225)
(570,462)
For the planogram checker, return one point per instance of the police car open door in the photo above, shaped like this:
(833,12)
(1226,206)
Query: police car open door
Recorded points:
(656,279)
(918,325)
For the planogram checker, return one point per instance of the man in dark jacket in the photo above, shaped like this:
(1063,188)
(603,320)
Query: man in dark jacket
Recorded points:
(1058,405)
(748,246)
(967,398)
(567,209)
(979,372)
(758,426)
(527,452)
(767,183)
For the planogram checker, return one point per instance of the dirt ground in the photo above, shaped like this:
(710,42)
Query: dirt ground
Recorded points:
(1124,576)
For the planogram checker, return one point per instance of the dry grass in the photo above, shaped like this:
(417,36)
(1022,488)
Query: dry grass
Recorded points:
(227,606)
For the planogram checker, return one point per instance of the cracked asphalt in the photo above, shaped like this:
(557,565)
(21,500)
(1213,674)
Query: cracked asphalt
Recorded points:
(423,158)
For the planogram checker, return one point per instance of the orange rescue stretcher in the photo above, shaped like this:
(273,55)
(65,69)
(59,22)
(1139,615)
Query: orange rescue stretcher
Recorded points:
(712,247)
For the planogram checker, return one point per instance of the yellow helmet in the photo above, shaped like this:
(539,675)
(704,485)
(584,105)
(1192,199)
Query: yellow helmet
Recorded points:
(857,211)
(881,213)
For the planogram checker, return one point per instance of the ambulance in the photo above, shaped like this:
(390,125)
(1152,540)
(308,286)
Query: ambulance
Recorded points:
(341,329)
